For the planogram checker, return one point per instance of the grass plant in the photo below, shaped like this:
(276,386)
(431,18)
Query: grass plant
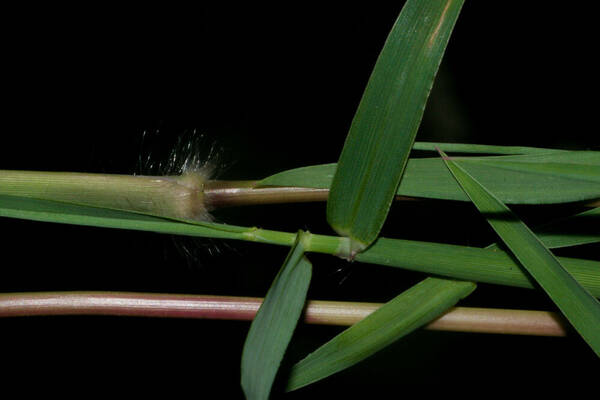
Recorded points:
(381,167)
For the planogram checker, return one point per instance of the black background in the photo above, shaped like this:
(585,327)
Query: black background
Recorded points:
(271,87)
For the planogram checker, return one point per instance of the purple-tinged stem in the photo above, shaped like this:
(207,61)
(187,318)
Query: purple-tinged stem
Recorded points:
(481,320)
(219,194)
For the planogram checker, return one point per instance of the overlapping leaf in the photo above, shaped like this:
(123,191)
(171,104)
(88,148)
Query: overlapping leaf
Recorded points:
(561,177)
(481,148)
(410,310)
(454,261)
(383,130)
(576,303)
(578,229)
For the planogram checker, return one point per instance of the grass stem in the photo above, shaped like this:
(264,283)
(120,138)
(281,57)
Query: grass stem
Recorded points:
(460,319)
(239,193)
(187,196)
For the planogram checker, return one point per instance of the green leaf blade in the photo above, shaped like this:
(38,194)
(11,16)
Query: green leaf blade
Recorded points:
(68,213)
(575,230)
(453,261)
(575,302)
(411,309)
(383,130)
(582,228)
(469,263)
(482,148)
(274,324)
(520,179)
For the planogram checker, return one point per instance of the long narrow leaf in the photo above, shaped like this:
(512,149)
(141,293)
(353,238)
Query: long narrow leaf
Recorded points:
(469,263)
(515,180)
(482,148)
(410,310)
(67,213)
(272,328)
(582,228)
(388,116)
(453,261)
(577,304)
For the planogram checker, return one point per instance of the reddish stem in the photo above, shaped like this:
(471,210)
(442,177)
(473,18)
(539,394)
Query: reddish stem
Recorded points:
(480,320)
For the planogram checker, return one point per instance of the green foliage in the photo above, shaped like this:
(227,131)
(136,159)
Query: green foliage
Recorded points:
(384,127)
(574,230)
(272,328)
(453,261)
(576,303)
(373,168)
(525,179)
(397,318)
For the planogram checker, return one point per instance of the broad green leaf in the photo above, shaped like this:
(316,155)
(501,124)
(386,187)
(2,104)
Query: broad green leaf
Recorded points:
(582,228)
(521,179)
(410,310)
(274,324)
(453,261)
(575,302)
(385,124)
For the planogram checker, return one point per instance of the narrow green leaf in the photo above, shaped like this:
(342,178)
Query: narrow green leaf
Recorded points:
(582,228)
(577,304)
(453,261)
(67,213)
(469,263)
(579,157)
(272,328)
(516,181)
(481,148)
(410,310)
(385,124)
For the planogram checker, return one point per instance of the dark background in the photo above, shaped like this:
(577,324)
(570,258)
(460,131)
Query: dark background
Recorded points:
(270,87)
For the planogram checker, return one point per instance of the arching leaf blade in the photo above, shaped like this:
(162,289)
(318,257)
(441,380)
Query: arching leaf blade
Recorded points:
(383,130)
